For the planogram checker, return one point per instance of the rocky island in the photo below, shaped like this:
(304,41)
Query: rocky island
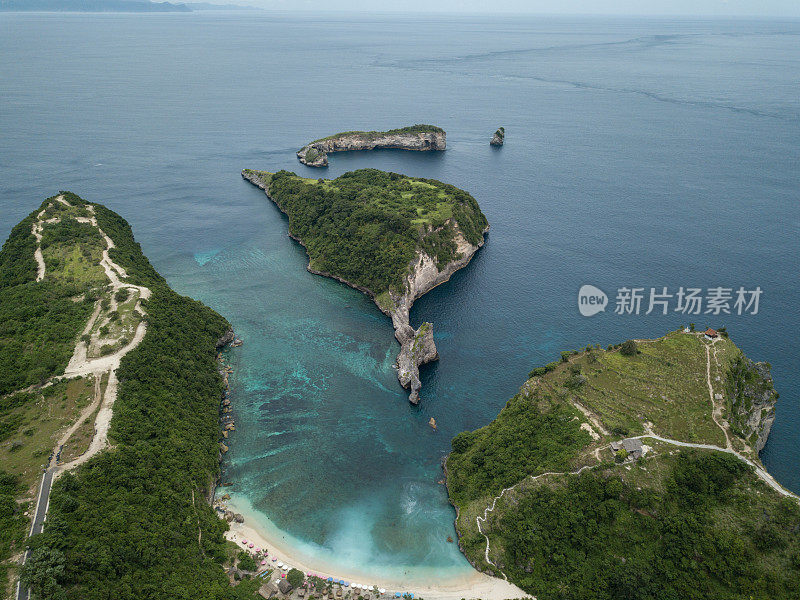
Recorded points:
(631,472)
(499,137)
(390,236)
(415,137)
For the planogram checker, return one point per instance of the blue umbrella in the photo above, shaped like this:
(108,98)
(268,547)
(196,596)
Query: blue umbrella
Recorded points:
(330,579)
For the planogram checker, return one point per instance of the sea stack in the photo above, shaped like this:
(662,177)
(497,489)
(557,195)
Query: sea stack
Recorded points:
(499,137)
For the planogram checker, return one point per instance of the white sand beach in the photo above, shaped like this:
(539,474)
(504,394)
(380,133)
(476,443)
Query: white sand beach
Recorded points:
(421,582)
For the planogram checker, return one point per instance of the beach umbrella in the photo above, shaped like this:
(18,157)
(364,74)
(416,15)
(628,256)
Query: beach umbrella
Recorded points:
(244,541)
(251,545)
(258,549)
(382,591)
(274,559)
(263,562)
(329,579)
(341,582)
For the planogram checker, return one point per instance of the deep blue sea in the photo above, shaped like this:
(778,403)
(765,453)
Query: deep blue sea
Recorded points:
(639,153)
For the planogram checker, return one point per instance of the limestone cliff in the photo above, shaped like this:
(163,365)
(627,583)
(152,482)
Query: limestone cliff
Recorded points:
(750,400)
(416,345)
(419,138)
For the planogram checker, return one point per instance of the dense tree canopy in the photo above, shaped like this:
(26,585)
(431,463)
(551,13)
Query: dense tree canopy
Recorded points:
(133,522)
(707,535)
(366,226)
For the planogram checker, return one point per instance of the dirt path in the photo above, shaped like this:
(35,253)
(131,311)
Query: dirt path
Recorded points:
(81,365)
(760,472)
(36,230)
(716,407)
(490,508)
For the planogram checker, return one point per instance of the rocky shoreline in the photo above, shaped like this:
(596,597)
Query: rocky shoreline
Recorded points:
(227,424)
(416,345)
(315,154)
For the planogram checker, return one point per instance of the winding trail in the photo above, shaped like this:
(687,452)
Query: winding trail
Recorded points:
(79,366)
(758,469)
(716,407)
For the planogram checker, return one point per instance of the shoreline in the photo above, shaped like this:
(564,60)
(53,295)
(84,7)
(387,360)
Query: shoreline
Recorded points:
(284,547)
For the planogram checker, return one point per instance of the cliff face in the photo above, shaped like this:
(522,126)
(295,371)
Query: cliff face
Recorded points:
(751,401)
(315,154)
(416,345)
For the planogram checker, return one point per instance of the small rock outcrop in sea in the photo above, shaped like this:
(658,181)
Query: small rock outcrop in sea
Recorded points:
(418,137)
(226,339)
(499,137)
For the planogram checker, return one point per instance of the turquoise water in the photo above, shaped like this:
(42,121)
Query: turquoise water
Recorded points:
(639,153)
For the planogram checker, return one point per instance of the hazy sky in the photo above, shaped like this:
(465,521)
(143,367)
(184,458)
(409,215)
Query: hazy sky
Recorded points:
(783,8)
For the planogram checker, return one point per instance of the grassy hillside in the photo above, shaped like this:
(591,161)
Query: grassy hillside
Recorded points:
(675,523)
(366,226)
(132,522)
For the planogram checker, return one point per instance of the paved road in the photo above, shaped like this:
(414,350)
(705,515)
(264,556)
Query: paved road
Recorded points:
(37,525)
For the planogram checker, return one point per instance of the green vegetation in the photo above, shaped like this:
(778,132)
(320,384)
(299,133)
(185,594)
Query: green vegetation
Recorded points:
(628,348)
(673,523)
(367,226)
(419,128)
(295,577)
(46,413)
(131,523)
(662,381)
(247,562)
(704,527)
(312,154)
(532,434)
(40,321)
(13,523)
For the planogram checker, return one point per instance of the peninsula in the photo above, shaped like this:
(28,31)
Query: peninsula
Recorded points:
(415,137)
(390,236)
(631,472)
(110,396)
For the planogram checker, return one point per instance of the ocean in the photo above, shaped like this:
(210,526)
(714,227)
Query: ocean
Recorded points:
(640,153)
